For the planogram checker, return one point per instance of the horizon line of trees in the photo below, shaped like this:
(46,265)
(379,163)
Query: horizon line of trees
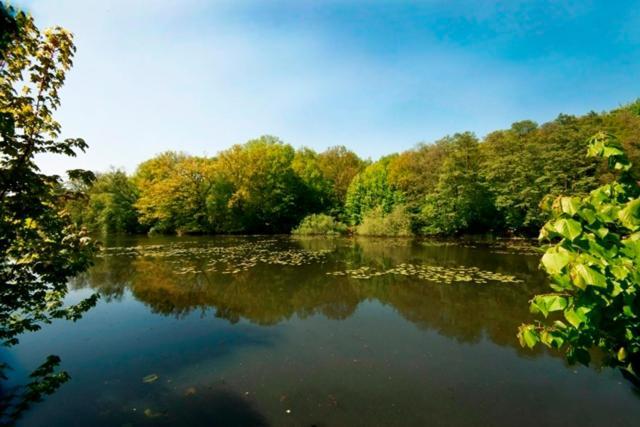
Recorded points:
(458,184)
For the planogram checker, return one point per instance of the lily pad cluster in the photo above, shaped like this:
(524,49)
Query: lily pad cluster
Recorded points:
(432,273)
(520,247)
(232,259)
(444,243)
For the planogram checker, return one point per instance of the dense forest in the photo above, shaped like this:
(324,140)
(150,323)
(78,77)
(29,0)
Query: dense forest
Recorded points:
(458,184)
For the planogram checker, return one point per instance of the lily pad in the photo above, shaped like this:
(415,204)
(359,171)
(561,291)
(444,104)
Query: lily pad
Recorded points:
(150,378)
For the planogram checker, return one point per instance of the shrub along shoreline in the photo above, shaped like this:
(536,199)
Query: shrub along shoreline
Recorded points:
(457,185)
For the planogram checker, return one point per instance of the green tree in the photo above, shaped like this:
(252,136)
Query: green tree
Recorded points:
(339,166)
(563,167)
(155,180)
(369,189)
(416,172)
(109,205)
(460,202)
(175,193)
(511,166)
(594,265)
(39,245)
(265,190)
(527,162)
(319,193)
(624,122)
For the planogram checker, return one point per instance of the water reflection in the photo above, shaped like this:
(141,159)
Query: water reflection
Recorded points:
(269,280)
(253,331)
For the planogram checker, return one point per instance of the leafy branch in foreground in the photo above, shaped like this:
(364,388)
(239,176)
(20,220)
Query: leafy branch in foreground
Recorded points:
(40,248)
(593,264)
(45,380)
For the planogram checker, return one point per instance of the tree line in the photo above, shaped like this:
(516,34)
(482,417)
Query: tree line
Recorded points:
(458,184)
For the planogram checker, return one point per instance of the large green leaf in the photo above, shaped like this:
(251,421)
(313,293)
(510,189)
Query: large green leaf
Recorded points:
(630,215)
(588,214)
(584,276)
(570,205)
(631,246)
(546,304)
(555,260)
(568,228)
(575,317)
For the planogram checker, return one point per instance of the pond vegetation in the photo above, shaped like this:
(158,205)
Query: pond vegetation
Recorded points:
(320,225)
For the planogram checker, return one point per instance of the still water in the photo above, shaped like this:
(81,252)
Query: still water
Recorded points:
(282,331)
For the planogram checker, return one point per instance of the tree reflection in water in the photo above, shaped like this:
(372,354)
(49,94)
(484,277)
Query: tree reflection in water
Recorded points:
(177,276)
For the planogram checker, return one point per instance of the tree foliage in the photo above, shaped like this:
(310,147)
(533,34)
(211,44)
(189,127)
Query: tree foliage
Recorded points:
(339,166)
(106,204)
(319,195)
(371,189)
(594,266)
(266,193)
(320,225)
(173,193)
(39,245)
(458,184)
(524,164)
(460,200)
(416,172)
(377,222)
(261,186)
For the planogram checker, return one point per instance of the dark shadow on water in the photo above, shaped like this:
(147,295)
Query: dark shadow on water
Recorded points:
(121,397)
(219,408)
(192,407)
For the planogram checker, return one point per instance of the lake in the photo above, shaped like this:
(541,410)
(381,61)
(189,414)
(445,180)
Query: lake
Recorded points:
(284,331)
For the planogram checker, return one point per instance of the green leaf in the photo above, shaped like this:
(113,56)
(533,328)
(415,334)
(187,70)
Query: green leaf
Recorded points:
(602,232)
(617,289)
(551,339)
(150,378)
(546,304)
(630,215)
(620,272)
(583,276)
(559,324)
(588,215)
(528,336)
(570,205)
(554,260)
(574,318)
(568,228)
(632,248)
(628,310)
(622,354)
(612,151)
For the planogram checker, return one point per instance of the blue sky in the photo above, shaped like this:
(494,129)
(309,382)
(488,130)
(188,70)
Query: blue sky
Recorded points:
(377,76)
